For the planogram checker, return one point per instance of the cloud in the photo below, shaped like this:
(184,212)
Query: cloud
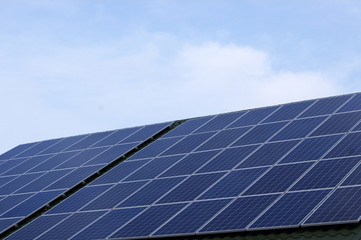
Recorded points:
(51,90)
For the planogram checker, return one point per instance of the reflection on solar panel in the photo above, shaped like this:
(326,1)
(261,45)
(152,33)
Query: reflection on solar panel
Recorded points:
(285,166)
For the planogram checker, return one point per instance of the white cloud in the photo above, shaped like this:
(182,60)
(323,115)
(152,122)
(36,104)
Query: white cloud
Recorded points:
(56,91)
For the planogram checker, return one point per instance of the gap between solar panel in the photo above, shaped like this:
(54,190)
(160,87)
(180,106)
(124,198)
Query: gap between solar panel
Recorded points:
(88,180)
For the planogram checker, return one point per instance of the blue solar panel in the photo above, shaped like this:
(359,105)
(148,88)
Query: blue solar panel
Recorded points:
(188,127)
(54,161)
(18,182)
(349,146)
(16,150)
(354,178)
(27,164)
(89,140)
(290,210)
(6,166)
(4,180)
(220,122)
(39,147)
(116,137)
(342,206)
(192,218)
(325,106)
(352,105)
(63,144)
(146,132)
(253,117)
(289,111)
(11,201)
(81,158)
(357,128)
(6,223)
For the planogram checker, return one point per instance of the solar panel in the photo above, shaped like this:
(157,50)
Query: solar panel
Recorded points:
(284,166)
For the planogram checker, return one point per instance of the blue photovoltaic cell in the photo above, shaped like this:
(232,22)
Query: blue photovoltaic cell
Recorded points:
(325,106)
(326,173)
(191,188)
(188,127)
(189,143)
(146,132)
(148,221)
(223,138)
(119,172)
(342,206)
(253,117)
(10,164)
(349,146)
(114,195)
(311,149)
(6,223)
(268,154)
(278,179)
(240,213)
(53,161)
(352,105)
(354,178)
(290,210)
(192,217)
(151,192)
(89,140)
(219,122)
(63,144)
(41,146)
(111,154)
(190,163)
(298,128)
(357,128)
(74,177)
(108,223)
(155,148)
(71,225)
(288,111)
(228,159)
(37,227)
(79,200)
(116,137)
(81,158)
(155,167)
(260,134)
(28,164)
(32,204)
(4,180)
(17,183)
(338,124)
(16,150)
(233,184)
(11,201)
(43,181)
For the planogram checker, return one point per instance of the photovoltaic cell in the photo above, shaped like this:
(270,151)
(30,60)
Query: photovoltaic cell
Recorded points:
(146,132)
(352,105)
(354,178)
(63,144)
(325,106)
(54,161)
(6,223)
(10,164)
(288,111)
(357,128)
(116,137)
(89,140)
(81,158)
(27,164)
(39,147)
(18,183)
(11,201)
(253,117)
(220,122)
(349,146)
(188,127)
(16,150)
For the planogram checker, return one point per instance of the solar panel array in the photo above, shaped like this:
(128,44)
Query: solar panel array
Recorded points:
(31,175)
(283,166)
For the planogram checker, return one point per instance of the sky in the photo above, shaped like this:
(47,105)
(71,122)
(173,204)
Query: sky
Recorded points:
(75,67)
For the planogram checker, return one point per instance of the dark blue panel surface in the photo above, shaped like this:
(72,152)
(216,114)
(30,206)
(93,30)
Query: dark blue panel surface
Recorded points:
(223,138)
(112,154)
(357,128)
(240,213)
(28,164)
(11,201)
(189,143)
(311,149)
(114,195)
(74,177)
(354,178)
(108,223)
(81,158)
(151,192)
(298,128)
(17,183)
(155,148)
(253,117)
(259,134)
(338,124)
(192,218)
(290,210)
(79,200)
(37,227)
(16,150)
(326,173)
(6,223)
(228,159)
(219,122)
(190,163)
(349,146)
(155,167)
(325,106)
(32,204)
(352,105)
(54,161)
(191,188)
(268,154)
(6,166)
(41,146)
(89,140)
(119,172)
(4,180)
(146,132)
(148,221)
(63,144)
(43,181)
(188,127)
(116,137)
(233,184)
(343,205)
(289,111)
(71,225)
(278,179)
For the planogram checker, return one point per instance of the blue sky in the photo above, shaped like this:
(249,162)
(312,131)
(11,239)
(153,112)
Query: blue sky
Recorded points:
(73,67)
